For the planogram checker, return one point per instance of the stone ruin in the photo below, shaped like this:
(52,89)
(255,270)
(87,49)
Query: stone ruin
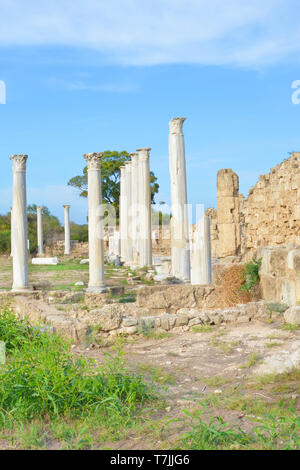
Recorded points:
(266,225)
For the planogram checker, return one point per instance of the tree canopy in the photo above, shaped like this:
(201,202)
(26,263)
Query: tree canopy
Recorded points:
(110,176)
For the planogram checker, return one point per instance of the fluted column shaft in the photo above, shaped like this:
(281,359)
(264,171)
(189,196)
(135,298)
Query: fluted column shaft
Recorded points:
(201,269)
(145,242)
(135,209)
(67,230)
(123,213)
(96,245)
(129,216)
(19,224)
(40,230)
(179,223)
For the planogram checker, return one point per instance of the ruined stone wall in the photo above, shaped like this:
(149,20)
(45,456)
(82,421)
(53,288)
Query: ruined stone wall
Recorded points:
(272,210)
(280,273)
(269,216)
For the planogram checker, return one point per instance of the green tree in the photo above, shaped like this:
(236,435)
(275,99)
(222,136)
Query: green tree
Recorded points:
(110,175)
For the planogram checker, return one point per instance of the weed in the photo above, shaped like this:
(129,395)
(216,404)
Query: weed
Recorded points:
(42,378)
(202,329)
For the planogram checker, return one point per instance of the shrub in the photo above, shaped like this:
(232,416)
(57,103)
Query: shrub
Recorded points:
(251,274)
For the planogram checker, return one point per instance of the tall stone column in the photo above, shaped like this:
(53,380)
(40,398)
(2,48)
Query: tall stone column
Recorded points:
(129,209)
(123,213)
(145,230)
(228,215)
(19,225)
(179,222)
(67,230)
(201,270)
(134,211)
(40,231)
(11,232)
(96,245)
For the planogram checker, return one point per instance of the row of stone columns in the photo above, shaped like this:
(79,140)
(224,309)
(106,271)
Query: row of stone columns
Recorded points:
(135,210)
(135,218)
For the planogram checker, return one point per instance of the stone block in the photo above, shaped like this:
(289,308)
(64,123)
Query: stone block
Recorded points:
(46,261)
(292,315)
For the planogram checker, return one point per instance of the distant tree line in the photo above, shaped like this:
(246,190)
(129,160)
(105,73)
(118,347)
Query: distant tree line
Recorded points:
(52,229)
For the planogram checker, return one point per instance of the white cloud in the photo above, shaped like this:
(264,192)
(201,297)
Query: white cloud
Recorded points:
(139,32)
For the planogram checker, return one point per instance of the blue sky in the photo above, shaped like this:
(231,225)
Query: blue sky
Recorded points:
(97,75)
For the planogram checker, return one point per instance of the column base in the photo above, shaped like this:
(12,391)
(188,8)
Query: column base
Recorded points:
(20,290)
(97,290)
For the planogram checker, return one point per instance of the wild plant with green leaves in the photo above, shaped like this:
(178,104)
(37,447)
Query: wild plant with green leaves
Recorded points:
(251,274)
(43,379)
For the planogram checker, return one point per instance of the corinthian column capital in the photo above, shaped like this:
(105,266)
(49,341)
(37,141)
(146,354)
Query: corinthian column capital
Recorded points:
(176,125)
(19,162)
(144,153)
(93,160)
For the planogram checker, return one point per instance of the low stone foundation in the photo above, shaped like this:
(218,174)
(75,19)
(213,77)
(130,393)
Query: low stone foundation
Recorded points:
(84,326)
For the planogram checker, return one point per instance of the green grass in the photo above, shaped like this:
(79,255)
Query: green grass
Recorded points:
(290,327)
(253,359)
(276,428)
(43,379)
(157,374)
(202,329)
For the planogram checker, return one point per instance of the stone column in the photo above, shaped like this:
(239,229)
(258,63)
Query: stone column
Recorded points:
(134,212)
(145,240)
(40,230)
(11,232)
(228,216)
(96,245)
(123,213)
(116,243)
(201,270)
(67,230)
(179,222)
(111,245)
(129,217)
(19,225)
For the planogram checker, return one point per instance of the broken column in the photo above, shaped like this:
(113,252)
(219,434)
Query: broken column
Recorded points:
(144,187)
(123,213)
(67,230)
(228,216)
(96,245)
(201,270)
(116,243)
(179,222)
(19,225)
(39,213)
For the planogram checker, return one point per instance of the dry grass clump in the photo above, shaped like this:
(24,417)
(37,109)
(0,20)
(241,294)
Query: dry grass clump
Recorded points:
(230,288)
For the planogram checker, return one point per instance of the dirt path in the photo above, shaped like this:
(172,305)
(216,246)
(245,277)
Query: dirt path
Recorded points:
(217,367)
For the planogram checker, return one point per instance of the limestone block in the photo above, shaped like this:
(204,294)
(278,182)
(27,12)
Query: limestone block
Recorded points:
(195,321)
(287,290)
(47,261)
(84,261)
(278,261)
(127,322)
(268,287)
(227,183)
(107,317)
(227,240)
(292,315)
